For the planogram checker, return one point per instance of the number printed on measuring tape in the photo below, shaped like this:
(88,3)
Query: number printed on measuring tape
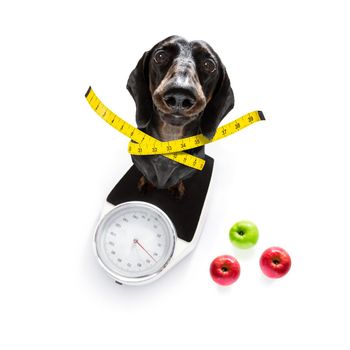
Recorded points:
(171,149)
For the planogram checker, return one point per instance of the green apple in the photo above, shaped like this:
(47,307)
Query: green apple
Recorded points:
(244,234)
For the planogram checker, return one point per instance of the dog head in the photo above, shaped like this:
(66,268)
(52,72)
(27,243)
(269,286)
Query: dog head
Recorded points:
(181,81)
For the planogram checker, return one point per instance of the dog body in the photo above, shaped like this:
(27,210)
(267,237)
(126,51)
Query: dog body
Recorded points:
(180,89)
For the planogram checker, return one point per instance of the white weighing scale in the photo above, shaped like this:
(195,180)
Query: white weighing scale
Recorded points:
(141,236)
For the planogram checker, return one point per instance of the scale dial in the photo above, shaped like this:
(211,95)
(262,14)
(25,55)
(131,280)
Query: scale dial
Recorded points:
(134,242)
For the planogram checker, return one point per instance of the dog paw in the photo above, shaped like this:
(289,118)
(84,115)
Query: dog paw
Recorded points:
(178,191)
(143,185)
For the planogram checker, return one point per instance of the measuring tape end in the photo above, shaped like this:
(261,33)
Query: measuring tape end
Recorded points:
(87,92)
(261,115)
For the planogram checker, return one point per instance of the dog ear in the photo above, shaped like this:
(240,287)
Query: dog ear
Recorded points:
(219,105)
(138,86)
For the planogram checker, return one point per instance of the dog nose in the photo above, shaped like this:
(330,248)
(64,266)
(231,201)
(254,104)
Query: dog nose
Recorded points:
(179,99)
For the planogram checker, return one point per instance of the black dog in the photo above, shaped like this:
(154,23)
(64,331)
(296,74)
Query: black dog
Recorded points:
(180,89)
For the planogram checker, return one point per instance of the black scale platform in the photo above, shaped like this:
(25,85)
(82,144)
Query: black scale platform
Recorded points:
(184,212)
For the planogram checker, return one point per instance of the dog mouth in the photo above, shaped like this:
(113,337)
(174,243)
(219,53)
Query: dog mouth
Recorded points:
(176,118)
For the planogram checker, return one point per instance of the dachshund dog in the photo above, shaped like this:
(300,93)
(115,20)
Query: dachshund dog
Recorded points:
(180,89)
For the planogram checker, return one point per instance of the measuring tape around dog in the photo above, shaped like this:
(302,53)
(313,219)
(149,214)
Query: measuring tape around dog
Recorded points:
(147,145)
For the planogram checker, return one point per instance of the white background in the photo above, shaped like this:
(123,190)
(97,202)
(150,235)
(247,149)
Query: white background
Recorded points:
(290,175)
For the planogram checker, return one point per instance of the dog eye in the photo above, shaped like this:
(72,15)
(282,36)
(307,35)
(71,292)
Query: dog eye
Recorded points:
(208,66)
(161,57)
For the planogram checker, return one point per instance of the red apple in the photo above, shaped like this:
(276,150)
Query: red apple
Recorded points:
(225,270)
(275,262)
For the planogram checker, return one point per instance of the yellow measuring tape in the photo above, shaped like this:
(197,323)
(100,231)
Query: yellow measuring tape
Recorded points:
(147,145)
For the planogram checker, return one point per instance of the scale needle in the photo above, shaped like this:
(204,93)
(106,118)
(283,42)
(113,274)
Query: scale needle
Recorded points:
(138,243)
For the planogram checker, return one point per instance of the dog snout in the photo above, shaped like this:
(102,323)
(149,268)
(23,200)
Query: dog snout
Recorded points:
(179,99)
